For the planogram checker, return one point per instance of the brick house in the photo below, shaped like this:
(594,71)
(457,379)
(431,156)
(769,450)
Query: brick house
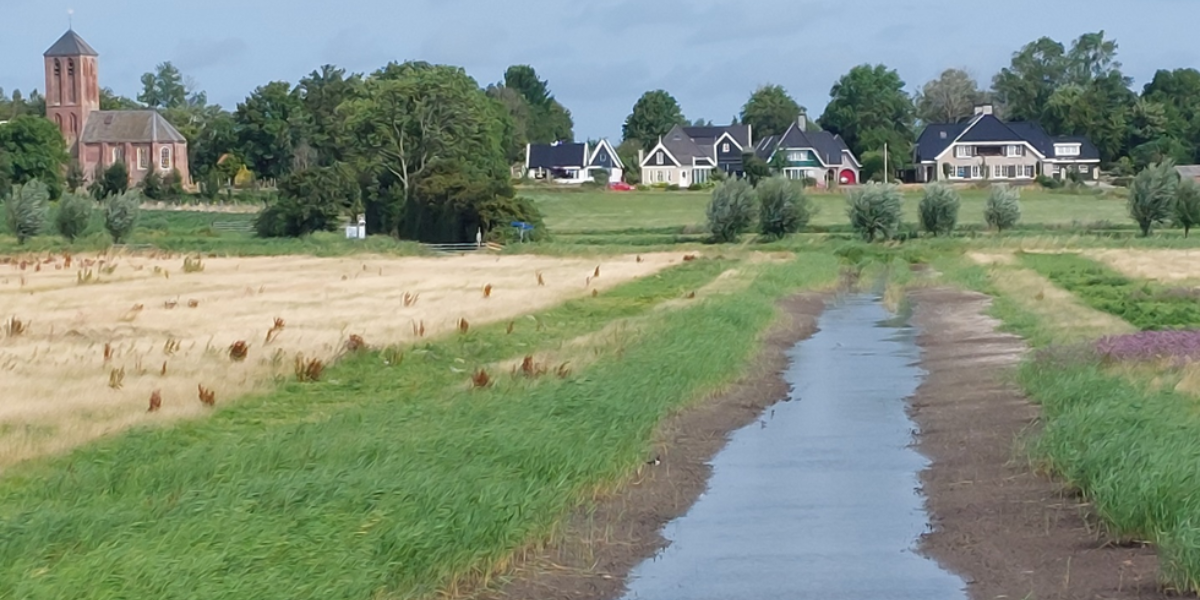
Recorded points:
(142,139)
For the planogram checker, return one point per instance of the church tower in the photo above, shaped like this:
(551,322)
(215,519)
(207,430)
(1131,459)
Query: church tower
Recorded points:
(72,86)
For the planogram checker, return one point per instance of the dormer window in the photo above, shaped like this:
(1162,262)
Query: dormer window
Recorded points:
(658,158)
(1066,149)
(964,151)
(725,147)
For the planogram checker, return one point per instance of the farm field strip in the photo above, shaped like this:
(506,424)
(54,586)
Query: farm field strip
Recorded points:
(89,356)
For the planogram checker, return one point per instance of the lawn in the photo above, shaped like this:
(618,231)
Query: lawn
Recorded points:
(574,211)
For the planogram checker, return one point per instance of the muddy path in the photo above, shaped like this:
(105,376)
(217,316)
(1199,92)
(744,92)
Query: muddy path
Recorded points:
(1009,532)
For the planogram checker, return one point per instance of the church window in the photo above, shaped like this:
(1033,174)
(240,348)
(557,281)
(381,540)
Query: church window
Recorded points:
(143,158)
(71,76)
(57,94)
(74,125)
(164,161)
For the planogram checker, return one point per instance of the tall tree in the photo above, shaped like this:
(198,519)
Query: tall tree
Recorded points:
(1024,87)
(34,149)
(869,108)
(1178,92)
(109,100)
(266,122)
(549,121)
(949,98)
(513,104)
(770,111)
(321,93)
(654,114)
(1092,57)
(163,88)
(524,80)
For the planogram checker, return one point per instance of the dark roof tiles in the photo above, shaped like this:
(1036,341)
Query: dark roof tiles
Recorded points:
(551,156)
(129,126)
(70,44)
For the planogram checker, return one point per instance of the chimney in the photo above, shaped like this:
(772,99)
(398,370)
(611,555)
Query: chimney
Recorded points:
(984,109)
(802,122)
(641,156)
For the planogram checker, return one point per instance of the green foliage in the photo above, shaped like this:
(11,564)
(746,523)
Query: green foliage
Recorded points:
(1047,182)
(33,148)
(74,215)
(1143,304)
(654,114)
(152,186)
(1152,196)
(210,186)
(939,209)
(112,181)
(1003,208)
(264,124)
(497,215)
(601,176)
(770,111)
(949,98)
(628,152)
(121,215)
(1187,205)
(26,209)
(754,168)
(731,211)
(869,107)
(173,185)
(875,211)
(75,176)
(164,88)
(783,207)
(309,201)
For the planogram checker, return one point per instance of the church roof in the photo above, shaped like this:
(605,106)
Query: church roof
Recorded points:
(128,126)
(70,44)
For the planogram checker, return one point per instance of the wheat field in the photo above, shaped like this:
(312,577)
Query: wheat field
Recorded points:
(86,341)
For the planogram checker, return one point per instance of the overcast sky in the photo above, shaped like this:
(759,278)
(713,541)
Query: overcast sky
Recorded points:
(598,56)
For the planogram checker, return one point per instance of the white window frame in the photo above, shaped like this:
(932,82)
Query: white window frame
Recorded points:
(962,172)
(997,171)
(1015,150)
(962,152)
(976,172)
(725,147)
(1067,149)
(658,158)
(118,154)
(143,158)
(1029,171)
(700,175)
(164,158)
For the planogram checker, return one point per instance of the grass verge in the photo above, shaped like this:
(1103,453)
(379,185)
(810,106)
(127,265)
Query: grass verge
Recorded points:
(389,479)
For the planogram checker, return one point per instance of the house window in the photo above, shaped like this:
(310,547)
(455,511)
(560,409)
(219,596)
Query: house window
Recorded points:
(658,158)
(660,176)
(725,147)
(700,176)
(143,159)
(998,171)
(1066,149)
(118,154)
(964,172)
(964,151)
(1010,171)
(798,156)
(164,158)
(1028,171)
(1083,169)
(1016,150)
(976,172)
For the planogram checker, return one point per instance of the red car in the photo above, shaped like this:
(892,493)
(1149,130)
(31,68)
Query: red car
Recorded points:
(620,186)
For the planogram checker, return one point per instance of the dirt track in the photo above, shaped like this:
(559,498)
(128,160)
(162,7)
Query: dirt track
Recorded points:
(1009,532)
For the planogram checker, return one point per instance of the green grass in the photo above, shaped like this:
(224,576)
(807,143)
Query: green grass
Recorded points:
(1144,304)
(600,211)
(1131,450)
(382,481)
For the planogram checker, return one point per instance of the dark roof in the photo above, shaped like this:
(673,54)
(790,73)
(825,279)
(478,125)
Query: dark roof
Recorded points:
(709,135)
(128,126)
(612,153)
(684,148)
(987,128)
(828,147)
(70,44)
(552,156)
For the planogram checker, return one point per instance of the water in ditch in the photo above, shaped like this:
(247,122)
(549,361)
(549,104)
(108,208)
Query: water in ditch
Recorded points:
(820,498)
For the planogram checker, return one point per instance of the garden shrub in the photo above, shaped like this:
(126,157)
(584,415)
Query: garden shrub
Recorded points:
(1003,207)
(731,211)
(939,209)
(121,215)
(875,211)
(783,207)
(26,209)
(1187,205)
(74,214)
(1152,196)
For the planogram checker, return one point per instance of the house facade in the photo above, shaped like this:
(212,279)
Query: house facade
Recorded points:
(572,163)
(817,155)
(688,155)
(142,139)
(985,147)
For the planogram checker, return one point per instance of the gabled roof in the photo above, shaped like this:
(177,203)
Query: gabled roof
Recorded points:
(555,156)
(828,148)
(709,135)
(612,152)
(985,128)
(70,44)
(128,126)
(682,148)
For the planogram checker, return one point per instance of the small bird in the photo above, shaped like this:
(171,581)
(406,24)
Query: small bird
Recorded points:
(654,462)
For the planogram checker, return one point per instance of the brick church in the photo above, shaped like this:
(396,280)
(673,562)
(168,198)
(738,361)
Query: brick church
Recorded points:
(142,139)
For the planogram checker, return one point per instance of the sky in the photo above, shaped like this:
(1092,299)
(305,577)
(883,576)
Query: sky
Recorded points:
(598,57)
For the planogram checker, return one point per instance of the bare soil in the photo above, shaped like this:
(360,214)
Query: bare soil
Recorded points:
(601,544)
(1008,531)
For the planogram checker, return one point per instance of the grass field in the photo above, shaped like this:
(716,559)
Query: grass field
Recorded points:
(392,477)
(577,211)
